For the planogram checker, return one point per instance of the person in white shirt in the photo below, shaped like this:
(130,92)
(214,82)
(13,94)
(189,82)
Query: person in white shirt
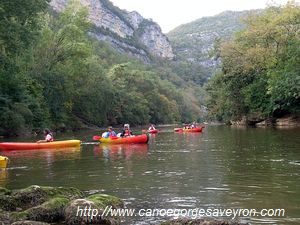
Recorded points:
(48,136)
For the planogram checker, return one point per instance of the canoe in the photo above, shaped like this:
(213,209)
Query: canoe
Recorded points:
(138,139)
(3,162)
(152,131)
(192,130)
(8,146)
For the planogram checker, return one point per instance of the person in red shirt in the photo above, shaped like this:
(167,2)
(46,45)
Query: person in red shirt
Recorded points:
(126,131)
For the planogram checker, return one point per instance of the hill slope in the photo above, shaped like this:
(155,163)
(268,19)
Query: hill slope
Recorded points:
(192,42)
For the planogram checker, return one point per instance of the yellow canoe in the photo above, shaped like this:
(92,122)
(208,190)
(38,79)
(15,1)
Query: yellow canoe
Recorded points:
(3,162)
(10,146)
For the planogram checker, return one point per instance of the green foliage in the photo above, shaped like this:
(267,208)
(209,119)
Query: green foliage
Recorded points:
(190,71)
(58,76)
(193,43)
(62,47)
(20,26)
(141,96)
(19,23)
(260,68)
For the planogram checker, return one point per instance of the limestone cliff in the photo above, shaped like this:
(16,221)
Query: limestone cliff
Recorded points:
(126,31)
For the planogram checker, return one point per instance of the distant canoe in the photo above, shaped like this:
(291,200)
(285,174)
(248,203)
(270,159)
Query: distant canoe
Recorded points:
(192,130)
(10,146)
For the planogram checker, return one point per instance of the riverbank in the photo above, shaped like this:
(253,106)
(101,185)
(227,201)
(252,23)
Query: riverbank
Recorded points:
(288,121)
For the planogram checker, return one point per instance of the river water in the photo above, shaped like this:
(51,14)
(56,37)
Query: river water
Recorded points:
(222,168)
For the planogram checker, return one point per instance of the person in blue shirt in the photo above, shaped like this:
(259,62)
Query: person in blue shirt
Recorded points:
(111,133)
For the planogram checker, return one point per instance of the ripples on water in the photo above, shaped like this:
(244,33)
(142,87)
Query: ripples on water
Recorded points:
(222,168)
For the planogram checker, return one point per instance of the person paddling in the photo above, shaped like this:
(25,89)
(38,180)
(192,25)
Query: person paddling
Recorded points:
(126,131)
(151,127)
(111,133)
(193,125)
(48,136)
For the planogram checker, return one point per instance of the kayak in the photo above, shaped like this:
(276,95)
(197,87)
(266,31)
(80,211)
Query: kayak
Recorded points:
(150,131)
(138,139)
(3,162)
(192,130)
(7,146)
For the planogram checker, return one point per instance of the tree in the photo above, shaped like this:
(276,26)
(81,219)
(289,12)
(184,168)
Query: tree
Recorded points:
(260,67)
(19,26)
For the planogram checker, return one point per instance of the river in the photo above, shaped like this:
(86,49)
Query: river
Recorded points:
(222,167)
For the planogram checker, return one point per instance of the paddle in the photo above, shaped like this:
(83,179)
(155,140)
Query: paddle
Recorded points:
(178,129)
(96,138)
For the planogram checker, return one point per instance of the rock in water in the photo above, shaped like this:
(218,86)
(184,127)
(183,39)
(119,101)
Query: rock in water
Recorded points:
(36,205)
(199,222)
(28,222)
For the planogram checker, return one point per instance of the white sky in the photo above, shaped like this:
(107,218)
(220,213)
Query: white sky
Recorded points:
(172,13)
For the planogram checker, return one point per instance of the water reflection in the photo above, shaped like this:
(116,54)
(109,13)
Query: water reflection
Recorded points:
(45,156)
(26,165)
(119,151)
(3,177)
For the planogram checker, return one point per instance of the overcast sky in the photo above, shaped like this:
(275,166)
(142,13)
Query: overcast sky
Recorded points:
(172,13)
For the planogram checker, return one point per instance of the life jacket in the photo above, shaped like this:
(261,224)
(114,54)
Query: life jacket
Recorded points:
(127,132)
(112,134)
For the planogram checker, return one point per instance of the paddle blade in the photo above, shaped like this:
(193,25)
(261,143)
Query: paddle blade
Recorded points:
(96,138)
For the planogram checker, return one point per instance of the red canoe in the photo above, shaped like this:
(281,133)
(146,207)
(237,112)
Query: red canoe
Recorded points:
(138,139)
(8,146)
(192,130)
(152,131)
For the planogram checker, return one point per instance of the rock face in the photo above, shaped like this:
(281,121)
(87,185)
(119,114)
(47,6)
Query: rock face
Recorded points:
(155,40)
(287,121)
(127,32)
